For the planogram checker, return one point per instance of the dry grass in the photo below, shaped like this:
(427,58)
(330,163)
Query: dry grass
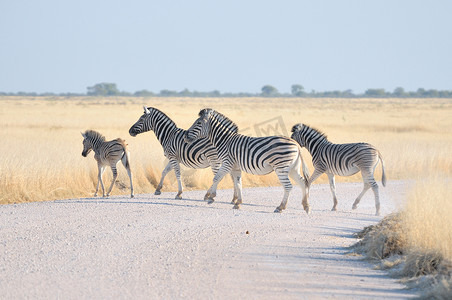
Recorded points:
(384,239)
(41,158)
(418,241)
(41,141)
(428,217)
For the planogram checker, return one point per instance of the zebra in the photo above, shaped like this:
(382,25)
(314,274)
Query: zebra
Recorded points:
(107,154)
(199,155)
(342,160)
(255,155)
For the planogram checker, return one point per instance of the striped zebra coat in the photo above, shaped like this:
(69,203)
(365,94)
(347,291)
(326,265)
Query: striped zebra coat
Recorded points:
(342,160)
(199,155)
(254,155)
(107,154)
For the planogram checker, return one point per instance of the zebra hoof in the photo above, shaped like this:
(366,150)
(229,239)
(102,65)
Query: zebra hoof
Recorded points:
(206,197)
(334,209)
(131,196)
(178,197)
(234,200)
(354,206)
(157,192)
(278,210)
(377,213)
(236,206)
(210,201)
(307,209)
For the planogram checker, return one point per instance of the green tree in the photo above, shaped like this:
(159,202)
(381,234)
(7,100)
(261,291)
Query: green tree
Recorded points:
(268,91)
(103,89)
(297,90)
(377,93)
(143,93)
(168,93)
(399,92)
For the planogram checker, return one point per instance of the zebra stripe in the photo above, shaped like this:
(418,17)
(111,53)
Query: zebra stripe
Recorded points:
(340,159)
(107,154)
(254,155)
(198,155)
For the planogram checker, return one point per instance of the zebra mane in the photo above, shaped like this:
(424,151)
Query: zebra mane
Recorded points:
(308,129)
(315,130)
(91,134)
(207,112)
(297,127)
(161,113)
(203,113)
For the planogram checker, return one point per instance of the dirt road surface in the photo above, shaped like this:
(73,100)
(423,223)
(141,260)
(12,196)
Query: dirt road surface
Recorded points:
(155,247)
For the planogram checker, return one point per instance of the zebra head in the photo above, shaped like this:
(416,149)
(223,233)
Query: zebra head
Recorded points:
(297,134)
(143,124)
(200,128)
(91,141)
(87,144)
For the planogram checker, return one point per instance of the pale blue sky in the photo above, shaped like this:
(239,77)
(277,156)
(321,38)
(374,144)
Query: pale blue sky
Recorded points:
(231,46)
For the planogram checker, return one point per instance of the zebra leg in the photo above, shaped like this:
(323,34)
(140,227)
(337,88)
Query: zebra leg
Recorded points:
(283,176)
(374,186)
(101,170)
(333,190)
(366,187)
(237,178)
(175,165)
(212,191)
(115,174)
(164,172)
(126,164)
(316,174)
(235,196)
(295,174)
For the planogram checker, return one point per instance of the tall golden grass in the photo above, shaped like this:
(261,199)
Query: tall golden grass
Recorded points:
(417,240)
(41,142)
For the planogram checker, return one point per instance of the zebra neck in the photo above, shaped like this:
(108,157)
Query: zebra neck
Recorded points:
(313,144)
(220,134)
(163,128)
(97,145)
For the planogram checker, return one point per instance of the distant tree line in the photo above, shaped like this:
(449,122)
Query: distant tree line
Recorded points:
(105,89)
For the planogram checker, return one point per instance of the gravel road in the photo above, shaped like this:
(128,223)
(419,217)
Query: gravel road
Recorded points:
(155,247)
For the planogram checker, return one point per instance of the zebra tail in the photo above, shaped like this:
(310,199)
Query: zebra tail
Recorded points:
(126,153)
(383,175)
(304,167)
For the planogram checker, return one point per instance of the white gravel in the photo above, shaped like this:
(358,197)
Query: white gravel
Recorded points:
(155,247)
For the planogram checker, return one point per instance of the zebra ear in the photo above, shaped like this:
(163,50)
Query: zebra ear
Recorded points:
(297,127)
(146,110)
(84,136)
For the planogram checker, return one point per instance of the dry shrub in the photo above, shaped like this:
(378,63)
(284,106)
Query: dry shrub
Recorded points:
(418,263)
(422,234)
(435,287)
(428,217)
(383,239)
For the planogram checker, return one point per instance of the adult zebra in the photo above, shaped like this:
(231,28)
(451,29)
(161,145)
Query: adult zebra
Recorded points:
(255,155)
(198,155)
(342,160)
(107,154)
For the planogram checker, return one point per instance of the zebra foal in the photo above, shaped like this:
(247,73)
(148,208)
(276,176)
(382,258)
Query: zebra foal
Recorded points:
(107,154)
(199,155)
(255,155)
(342,160)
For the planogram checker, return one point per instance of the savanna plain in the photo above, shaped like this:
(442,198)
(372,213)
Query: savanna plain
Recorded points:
(41,161)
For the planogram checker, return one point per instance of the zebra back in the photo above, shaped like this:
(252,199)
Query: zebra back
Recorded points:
(253,154)
(172,141)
